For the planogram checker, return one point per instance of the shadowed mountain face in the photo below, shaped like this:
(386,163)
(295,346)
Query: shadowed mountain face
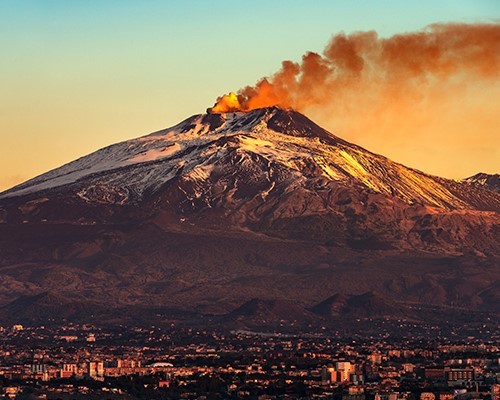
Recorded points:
(224,208)
(257,313)
(487,181)
(46,306)
(363,305)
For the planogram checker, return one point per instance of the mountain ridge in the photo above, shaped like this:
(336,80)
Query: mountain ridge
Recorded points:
(221,209)
(487,181)
(200,131)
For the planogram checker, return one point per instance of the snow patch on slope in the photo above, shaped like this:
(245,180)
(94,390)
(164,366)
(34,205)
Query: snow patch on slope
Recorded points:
(155,154)
(299,151)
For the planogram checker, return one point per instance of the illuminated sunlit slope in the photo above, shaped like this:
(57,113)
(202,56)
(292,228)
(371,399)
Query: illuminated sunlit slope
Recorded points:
(280,149)
(225,208)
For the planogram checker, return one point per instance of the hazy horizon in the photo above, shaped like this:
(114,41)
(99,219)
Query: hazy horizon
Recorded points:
(82,75)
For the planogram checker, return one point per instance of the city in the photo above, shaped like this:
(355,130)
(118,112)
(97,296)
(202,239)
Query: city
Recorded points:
(76,361)
(250,200)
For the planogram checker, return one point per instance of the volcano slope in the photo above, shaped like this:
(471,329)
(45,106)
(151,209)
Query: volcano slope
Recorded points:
(222,209)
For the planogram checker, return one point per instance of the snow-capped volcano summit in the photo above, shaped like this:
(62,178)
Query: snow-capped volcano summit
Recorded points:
(224,208)
(277,150)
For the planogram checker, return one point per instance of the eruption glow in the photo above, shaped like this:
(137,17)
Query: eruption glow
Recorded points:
(435,82)
(227,103)
(440,53)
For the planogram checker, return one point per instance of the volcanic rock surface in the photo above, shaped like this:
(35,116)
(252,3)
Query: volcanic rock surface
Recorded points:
(487,181)
(263,207)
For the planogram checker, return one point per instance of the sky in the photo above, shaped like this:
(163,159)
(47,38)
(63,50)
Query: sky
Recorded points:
(79,75)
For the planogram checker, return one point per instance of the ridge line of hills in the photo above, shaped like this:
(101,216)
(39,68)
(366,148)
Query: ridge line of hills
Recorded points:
(221,209)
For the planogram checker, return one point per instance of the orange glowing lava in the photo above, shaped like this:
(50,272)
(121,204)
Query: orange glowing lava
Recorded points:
(425,98)
(226,103)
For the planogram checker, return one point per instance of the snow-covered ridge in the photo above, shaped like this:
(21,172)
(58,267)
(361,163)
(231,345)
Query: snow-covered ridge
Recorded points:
(487,181)
(161,145)
(192,150)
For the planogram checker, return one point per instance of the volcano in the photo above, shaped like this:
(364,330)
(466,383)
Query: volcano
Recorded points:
(265,206)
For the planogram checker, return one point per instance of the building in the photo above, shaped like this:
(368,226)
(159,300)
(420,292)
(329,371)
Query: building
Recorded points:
(460,376)
(96,369)
(68,370)
(328,374)
(427,396)
(344,370)
(407,367)
(495,391)
(38,368)
(435,373)
(357,379)
(11,392)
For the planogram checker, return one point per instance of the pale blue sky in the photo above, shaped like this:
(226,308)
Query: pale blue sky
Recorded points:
(77,75)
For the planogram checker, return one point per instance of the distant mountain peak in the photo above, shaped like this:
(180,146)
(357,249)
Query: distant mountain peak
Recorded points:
(223,208)
(205,148)
(487,181)
(368,304)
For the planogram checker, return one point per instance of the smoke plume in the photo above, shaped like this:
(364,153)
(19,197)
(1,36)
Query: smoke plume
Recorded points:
(439,53)
(369,89)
